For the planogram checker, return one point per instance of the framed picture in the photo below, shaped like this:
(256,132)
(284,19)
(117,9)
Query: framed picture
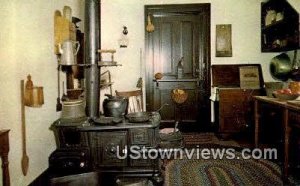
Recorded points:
(249,77)
(223,40)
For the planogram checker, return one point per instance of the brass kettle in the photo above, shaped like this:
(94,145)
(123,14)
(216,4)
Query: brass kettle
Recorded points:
(280,67)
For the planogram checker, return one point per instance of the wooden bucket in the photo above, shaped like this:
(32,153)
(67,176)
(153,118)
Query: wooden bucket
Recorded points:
(34,97)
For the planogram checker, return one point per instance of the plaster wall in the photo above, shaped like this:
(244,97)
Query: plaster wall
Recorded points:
(26,47)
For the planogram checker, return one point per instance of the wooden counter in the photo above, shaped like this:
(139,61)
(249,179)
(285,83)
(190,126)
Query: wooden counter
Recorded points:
(291,119)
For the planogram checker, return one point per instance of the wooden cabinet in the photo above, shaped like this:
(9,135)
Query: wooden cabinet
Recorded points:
(235,110)
(279,26)
(277,124)
(234,105)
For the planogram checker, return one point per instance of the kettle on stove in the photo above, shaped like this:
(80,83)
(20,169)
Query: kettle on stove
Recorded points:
(115,106)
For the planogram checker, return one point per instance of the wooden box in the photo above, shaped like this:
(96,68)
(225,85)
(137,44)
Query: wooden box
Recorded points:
(229,75)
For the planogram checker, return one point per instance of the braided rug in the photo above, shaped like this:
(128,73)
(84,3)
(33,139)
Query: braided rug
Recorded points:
(223,172)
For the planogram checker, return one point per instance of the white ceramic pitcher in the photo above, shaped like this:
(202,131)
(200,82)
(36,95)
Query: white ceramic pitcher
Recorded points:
(68,51)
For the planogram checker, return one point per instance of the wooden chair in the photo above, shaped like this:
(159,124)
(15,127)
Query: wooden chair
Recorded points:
(135,99)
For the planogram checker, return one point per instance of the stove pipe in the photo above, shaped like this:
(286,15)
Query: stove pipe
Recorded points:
(92,44)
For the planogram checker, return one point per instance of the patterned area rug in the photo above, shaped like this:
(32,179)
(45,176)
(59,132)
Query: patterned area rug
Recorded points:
(198,172)
(201,139)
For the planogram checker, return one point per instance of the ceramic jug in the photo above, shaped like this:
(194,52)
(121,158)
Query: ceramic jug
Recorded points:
(270,17)
(68,51)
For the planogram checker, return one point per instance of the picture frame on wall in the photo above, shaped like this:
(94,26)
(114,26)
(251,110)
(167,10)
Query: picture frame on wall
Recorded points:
(223,40)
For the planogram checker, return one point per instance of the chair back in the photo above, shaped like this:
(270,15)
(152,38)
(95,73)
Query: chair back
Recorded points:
(135,99)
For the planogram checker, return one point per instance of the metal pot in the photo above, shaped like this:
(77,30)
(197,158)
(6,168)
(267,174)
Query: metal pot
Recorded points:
(115,106)
(280,67)
(72,109)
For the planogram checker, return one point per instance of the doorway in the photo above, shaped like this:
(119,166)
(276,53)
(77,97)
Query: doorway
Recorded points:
(180,32)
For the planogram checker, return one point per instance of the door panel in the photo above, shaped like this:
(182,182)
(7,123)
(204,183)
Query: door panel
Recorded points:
(166,48)
(180,31)
(168,112)
(175,39)
(187,46)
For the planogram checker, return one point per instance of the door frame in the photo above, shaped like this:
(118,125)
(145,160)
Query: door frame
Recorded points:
(204,50)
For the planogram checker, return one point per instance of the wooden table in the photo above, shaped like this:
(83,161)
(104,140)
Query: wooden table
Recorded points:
(287,110)
(4,148)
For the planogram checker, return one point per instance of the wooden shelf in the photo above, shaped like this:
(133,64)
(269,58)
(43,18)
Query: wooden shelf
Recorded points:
(108,63)
(102,64)
(80,65)
(283,34)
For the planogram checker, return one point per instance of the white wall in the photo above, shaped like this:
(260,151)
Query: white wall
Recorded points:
(26,47)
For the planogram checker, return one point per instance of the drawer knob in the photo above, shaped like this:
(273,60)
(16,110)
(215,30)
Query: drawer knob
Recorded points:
(113,150)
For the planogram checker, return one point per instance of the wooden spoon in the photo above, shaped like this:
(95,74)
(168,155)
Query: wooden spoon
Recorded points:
(150,26)
(25,158)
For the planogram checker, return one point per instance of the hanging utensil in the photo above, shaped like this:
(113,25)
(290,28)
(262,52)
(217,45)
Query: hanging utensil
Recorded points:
(64,96)
(58,103)
(150,26)
(140,80)
(25,158)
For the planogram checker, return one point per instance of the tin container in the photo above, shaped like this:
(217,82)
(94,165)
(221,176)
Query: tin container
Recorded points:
(72,109)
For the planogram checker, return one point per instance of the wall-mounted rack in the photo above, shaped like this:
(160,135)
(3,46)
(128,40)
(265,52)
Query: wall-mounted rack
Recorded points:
(107,63)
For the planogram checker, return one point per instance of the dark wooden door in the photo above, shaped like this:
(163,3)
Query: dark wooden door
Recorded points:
(180,31)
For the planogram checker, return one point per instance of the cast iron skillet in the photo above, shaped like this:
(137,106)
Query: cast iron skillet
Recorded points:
(139,117)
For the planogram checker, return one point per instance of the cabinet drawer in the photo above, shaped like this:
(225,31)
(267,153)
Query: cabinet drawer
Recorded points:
(230,108)
(142,162)
(143,137)
(236,95)
(140,137)
(236,101)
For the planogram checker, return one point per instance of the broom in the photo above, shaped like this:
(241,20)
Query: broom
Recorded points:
(140,80)
(139,83)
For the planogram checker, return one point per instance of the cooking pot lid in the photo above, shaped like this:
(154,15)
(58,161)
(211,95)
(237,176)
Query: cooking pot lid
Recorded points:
(73,102)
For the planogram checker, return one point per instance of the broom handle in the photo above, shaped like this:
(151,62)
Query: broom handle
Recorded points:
(141,62)
(23,118)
